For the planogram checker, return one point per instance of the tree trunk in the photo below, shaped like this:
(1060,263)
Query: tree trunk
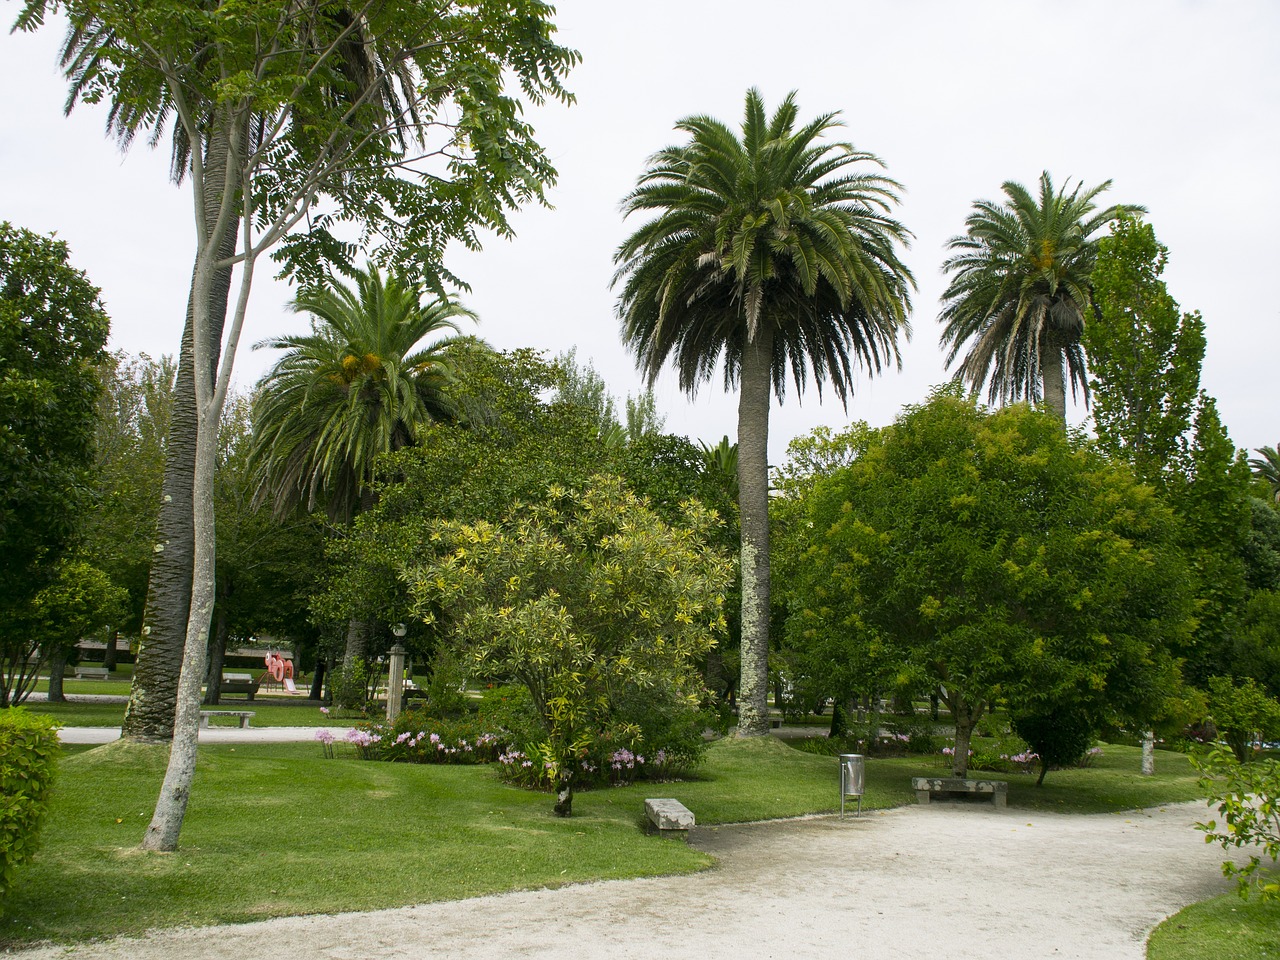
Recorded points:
(57,667)
(357,641)
(217,655)
(149,716)
(317,683)
(873,723)
(966,717)
(171,806)
(111,657)
(1148,753)
(753,507)
(1055,393)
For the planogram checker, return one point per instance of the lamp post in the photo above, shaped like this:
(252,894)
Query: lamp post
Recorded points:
(395,681)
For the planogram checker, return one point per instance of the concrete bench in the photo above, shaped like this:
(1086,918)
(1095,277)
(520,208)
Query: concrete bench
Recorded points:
(91,673)
(667,817)
(244,716)
(960,788)
(238,683)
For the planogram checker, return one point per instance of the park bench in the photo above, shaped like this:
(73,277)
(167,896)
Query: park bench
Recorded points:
(960,788)
(91,673)
(668,817)
(239,683)
(243,715)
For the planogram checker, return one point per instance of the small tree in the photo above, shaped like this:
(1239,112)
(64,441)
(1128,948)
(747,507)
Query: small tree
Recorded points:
(1241,711)
(585,599)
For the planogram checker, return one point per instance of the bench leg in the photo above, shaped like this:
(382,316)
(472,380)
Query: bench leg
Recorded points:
(922,797)
(204,723)
(999,800)
(244,723)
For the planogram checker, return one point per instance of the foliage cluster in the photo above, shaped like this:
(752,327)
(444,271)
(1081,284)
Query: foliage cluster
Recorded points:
(414,738)
(1242,713)
(589,600)
(1247,796)
(28,749)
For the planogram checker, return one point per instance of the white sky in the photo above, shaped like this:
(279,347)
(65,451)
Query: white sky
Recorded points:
(1175,100)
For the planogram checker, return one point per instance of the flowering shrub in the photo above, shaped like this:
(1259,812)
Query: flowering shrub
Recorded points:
(1000,758)
(413,738)
(326,742)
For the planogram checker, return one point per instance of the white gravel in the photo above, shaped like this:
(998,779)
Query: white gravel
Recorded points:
(941,881)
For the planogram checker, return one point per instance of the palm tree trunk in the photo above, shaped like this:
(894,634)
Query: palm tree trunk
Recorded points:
(153,695)
(753,507)
(1055,393)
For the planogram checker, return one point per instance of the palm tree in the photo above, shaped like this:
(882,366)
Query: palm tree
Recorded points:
(356,387)
(1020,289)
(1267,467)
(771,252)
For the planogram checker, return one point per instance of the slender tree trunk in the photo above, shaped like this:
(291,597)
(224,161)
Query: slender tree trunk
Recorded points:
(111,657)
(149,716)
(217,654)
(1055,393)
(1148,753)
(317,683)
(966,717)
(57,667)
(753,508)
(171,806)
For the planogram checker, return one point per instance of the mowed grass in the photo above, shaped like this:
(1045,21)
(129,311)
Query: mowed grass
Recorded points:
(281,713)
(1225,926)
(277,829)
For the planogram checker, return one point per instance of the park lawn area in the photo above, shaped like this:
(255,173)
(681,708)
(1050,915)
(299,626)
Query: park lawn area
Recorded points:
(1213,929)
(277,829)
(296,713)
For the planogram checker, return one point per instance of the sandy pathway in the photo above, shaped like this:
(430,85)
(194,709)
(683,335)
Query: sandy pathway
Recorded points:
(941,881)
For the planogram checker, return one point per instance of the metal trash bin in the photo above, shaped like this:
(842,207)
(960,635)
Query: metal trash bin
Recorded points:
(853,776)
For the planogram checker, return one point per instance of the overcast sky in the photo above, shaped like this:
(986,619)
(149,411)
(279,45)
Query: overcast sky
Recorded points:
(1176,101)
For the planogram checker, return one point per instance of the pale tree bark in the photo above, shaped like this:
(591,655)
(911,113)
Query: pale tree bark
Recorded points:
(1148,753)
(211,193)
(149,717)
(753,504)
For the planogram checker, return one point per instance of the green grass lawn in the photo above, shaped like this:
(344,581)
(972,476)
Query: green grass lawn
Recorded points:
(268,712)
(276,829)
(1225,926)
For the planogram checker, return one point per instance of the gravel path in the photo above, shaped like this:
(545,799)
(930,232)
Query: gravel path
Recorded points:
(937,881)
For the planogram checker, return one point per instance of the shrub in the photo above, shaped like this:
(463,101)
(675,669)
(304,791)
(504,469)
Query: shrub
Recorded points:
(1248,799)
(28,748)
(415,737)
(1059,738)
(1241,711)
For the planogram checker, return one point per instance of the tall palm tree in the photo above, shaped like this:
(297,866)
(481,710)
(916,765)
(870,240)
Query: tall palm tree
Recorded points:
(768,251)
(1020,289)
(356,387)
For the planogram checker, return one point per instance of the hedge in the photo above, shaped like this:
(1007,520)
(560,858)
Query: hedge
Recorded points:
(28,748)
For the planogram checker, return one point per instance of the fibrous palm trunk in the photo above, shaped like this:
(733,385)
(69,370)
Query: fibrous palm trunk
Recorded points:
(153,695)
(753,507)
(1055,392)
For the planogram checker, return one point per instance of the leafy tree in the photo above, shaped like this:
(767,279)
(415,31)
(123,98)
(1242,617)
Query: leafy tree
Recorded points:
(585,599)
(1242,712)
(81,601)
(295,135)
(1019,292)
(1144,354)
(992,557)
(773,251)
(52,332)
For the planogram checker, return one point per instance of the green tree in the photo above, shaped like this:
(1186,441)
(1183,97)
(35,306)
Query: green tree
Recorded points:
(299,138)
(81,601)
(1243,713)
(584,598)
(1019,292)
(1144,354)
(773,251)
(360,385)
(52,332)
(994,558)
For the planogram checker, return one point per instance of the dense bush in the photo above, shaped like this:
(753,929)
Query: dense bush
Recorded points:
(415,737)
(1059,738)
(28,747)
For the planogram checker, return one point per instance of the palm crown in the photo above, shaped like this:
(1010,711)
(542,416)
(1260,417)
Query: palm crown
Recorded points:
(770,232)
(1020,289)
(359,385)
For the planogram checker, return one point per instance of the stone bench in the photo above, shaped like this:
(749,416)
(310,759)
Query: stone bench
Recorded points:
(91,673)
(959,788)
(667,817)
(244,716)
(238,683)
